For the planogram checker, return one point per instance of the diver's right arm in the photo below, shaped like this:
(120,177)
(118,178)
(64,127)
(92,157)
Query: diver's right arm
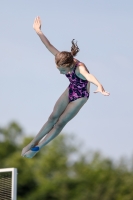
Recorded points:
(37,28)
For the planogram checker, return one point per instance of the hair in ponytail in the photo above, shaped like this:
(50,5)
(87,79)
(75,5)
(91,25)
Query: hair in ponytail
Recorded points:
(65,58)
(74,48)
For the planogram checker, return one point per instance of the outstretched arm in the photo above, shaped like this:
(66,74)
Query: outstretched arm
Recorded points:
(37,28)
(93,80)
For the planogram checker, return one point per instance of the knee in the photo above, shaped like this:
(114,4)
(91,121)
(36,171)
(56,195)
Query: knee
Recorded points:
(60,124)
(53,118)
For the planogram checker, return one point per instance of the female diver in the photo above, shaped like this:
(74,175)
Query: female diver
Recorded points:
(73,98)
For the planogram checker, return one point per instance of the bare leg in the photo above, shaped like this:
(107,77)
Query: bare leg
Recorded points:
(59,108)
(70,112)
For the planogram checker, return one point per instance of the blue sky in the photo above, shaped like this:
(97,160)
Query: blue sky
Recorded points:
(30,84)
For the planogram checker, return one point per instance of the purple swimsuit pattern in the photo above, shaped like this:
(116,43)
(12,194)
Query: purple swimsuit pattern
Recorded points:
(77,87)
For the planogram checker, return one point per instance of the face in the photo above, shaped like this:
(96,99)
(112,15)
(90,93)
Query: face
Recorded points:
(64,70)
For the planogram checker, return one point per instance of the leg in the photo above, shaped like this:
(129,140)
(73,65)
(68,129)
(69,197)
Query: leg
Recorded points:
(59,108)
(69,113)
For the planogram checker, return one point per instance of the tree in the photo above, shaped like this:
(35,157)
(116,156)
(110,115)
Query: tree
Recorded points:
(53,175)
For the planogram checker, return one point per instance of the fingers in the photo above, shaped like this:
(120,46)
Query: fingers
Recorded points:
(105,93)
(37,23)
(37,20)
(96,91)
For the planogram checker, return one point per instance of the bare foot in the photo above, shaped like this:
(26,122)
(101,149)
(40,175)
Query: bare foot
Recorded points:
(30,154)
(27,148)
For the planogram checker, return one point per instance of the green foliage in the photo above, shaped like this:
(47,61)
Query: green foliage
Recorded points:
(53,175)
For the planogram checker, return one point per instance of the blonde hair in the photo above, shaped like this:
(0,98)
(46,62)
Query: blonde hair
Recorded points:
(65,58)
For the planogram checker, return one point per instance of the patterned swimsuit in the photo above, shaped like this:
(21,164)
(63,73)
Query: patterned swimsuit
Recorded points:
(77,87)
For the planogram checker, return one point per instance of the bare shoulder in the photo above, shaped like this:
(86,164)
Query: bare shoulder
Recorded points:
(81,66)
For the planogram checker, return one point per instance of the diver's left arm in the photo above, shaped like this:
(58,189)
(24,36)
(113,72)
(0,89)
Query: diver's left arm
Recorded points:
(89,77)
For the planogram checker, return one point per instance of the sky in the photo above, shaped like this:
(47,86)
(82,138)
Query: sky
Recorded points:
(30,84)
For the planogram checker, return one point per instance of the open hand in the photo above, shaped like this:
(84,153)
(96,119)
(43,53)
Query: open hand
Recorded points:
(101,89)
(37,24)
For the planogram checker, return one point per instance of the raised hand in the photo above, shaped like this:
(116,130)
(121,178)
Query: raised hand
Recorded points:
(101,89)
(37,24)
